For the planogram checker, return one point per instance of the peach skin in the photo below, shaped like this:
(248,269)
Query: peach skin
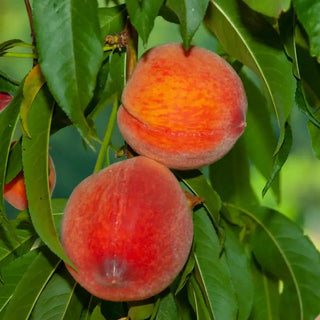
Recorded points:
(15,191)
(5,99)
(185,109)
(128,230)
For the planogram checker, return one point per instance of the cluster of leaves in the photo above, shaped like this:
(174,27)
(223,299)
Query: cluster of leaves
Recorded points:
(247,261)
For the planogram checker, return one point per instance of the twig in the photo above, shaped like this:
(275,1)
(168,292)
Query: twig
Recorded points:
(33,37)
(132,48)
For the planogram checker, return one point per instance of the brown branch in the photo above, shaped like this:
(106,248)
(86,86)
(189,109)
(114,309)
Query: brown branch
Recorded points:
(132,48)
(33,37)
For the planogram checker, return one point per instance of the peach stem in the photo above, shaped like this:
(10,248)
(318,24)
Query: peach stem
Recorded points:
(104,150)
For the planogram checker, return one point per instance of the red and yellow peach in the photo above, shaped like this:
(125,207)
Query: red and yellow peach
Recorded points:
(185,109)
(128,230)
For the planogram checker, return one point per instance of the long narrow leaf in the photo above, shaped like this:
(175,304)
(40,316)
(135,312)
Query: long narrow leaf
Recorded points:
(167,308)
(142,15)
(280,157)
(70,63)
(190,14)
(308,14)
(55,299)
(11,276)
(35,165)
(30,286)
(266,296)
(32,84)
(240,273)
(11,246)
(282,250)
(211,269)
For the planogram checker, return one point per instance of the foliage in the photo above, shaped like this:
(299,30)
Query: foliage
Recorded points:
(247,261)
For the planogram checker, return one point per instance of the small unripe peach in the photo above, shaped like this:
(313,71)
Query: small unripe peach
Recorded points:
(15,191)
(5,99)
(128,230)
(185,109)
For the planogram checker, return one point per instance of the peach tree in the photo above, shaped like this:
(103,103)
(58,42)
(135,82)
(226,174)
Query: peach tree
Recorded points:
(247,261)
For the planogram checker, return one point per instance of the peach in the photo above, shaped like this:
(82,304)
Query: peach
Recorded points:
(5,99)
(128,230)
(15,191)
(185,109)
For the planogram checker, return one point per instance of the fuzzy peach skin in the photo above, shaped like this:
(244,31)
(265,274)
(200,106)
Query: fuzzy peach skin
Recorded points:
(15,191)
(5,99)
(128,230)
(185,109)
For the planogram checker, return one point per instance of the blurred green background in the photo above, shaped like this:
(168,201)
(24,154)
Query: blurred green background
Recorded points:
(300,177)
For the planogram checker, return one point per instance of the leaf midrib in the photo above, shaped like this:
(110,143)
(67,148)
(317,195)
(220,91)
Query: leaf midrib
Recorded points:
(282,253)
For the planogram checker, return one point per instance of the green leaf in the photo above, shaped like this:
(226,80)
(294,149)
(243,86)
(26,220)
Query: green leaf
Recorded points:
(14,162)
(7,85)
(142,14)
(247,37)
(304,106)
(230,176)
(167,308)
(308,14)
(190,14)
(96,314)
(211,270)
(70,63)
(240,273)
(9,44)
(140,310)
(280,157)
(100,86)
(260,139)
(287,26)
(35,155)
(271,8)
(8,122)
(168,14)
(197,183)
(282,249)
(112,20)
(114,85)
(266,296)
(310,73)
(315,135)
(55,299)
(11,275)
(30,286)
(32,85)
(185,310)
(11,246)
(197,301)
(58,206)
(187,270)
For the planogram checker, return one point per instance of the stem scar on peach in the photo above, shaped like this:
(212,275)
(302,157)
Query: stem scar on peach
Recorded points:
(185,109)
(128,230)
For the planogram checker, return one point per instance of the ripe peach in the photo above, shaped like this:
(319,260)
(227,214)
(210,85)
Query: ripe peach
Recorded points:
(15,191)
(5,99)
(185,109)
(128,230)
